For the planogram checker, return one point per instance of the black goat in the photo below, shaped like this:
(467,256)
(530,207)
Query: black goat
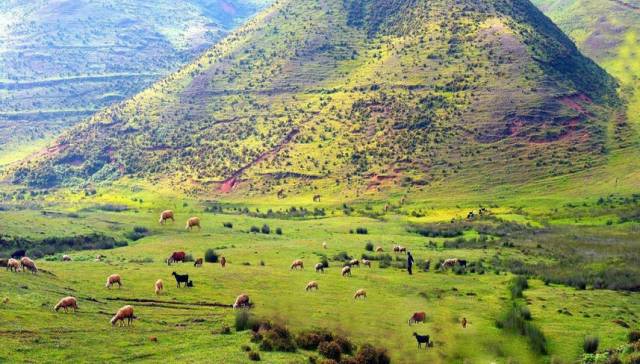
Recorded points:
(190,284)
(181,278)
(462,262)
(422,339)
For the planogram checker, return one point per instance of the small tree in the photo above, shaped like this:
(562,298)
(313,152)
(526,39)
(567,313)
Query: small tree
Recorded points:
(210,256)
(265,229)
(368,246)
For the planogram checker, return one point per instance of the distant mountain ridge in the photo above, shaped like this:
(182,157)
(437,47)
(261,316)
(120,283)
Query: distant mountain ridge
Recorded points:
(62,60)
(358,93)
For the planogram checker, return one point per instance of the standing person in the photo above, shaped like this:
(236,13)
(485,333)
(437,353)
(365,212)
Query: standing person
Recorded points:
(464,322)
(409,262)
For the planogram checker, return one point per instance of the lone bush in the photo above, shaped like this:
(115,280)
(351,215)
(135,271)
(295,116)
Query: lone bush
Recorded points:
(279,231)
(254,229)
(244,320)
(228,225)
(518,285)
(590,344)
(362,231)
(254,356)
(368,354)
(634,336)
(278,338)
(368,246)
(265,229)
(210,256)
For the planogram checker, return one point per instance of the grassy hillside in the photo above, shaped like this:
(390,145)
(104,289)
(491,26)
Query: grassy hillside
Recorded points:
(61,61)
(188,322)
(358,95)
(607,31)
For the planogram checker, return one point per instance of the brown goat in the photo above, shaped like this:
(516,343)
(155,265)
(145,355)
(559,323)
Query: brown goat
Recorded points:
(297,264)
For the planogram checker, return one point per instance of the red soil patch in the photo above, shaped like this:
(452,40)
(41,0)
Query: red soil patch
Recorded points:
(575,102)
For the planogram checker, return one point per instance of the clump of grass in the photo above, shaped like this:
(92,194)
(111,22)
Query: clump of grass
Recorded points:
(254,356)
(517,319)
(633,336)
(137,233)
(517,286)
(245,320)
(278,338)
(254,229)
(342,256)
(590,344)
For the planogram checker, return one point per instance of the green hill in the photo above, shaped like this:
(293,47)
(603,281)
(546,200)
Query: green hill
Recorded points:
(61,61)
(358,95)
(609,32)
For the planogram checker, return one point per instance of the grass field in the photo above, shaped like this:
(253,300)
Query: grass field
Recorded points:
(188,330)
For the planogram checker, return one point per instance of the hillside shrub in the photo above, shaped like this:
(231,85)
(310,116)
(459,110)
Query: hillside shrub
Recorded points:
(362,231)
(278,338)
(634,358)
(369,354)
(254,356)
(590,344)
(368,246)
(634,336)
(279,231)
(228,225)
(342,256)
(137,233)
(330,350)
(254,229)
(210,256)
(265,229)
(244,320)
(514,320)
(52,245)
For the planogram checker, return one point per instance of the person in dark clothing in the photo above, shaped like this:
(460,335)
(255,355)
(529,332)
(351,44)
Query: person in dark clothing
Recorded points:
(409,262)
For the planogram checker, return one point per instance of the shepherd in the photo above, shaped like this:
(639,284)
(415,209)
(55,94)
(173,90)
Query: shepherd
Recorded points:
(409,262)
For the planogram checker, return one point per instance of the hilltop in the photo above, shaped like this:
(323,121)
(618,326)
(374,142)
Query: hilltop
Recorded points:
(360,94)
(61,61)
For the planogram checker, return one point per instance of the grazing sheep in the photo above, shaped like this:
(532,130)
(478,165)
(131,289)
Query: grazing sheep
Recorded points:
(324,245)
(13,265)
(379,249)
(242,301)
(320,267)
(422,339)
(223,261)
(125,312)
(346,271)
(297,264)
(166,215)
(193,222)
(99,257)
(113,279)
(366,262)
(198,262)
(176,257)
(66,258)
(28,264)
(418,317)
(181,278)
(399,249)
(361,293)
(159,286)
(311,285)
(18,254)
(67,302)
(449,263)
(355,262)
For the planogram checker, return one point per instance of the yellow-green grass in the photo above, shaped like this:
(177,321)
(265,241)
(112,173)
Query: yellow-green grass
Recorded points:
(31,328)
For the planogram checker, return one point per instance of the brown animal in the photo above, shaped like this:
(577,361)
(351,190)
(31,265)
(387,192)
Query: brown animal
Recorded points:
(366,262)
(311,285)
(223,261)
(166,215)
(379,249)
(193,222)
(66,258)
(28,264)
(125,312)
(153,338)
(297,264)
(113,279)
(355,262)
(346,271)
(464,322)
(242,301)
(324,245)
(198,262)
(316,198)
(418,317)
(320,267)
(13,265)
(176,257)
(361,293)
(159,286)
(67,302)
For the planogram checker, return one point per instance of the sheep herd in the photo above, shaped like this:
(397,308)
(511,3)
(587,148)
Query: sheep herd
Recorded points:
(125,315)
